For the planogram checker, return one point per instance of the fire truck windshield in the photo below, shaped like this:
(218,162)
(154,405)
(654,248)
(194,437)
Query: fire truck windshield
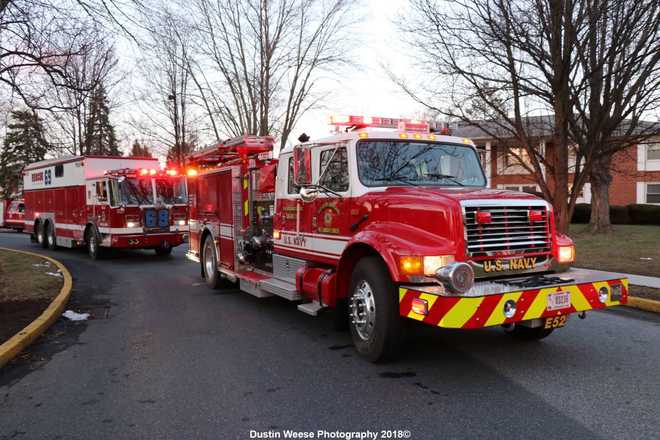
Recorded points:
(135,191)
(384,163)
(171,191)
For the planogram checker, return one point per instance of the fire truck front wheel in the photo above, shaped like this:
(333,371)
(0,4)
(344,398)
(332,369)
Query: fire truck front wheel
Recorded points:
(374,320)
(93,244)
(527,333)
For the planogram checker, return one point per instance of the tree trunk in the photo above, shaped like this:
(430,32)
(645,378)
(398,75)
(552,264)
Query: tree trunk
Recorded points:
(600,179)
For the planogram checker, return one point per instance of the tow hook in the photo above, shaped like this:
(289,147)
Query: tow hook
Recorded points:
(582,315)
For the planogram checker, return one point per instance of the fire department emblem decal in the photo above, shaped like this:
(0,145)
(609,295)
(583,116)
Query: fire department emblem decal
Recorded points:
(329,211)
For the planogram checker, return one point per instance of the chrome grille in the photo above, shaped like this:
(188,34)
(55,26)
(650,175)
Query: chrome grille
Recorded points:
(510,231)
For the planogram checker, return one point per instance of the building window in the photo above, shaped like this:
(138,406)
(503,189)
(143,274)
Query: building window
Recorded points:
(653,151)
(517,156)
(335,177)
(653,193)
(59,170)
(521,188)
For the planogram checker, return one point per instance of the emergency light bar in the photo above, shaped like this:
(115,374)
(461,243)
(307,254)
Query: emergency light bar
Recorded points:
(143,172)
(402,124)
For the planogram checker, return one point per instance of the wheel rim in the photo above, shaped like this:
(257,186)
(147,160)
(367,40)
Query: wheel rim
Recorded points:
(209,264)
(51,238)
(92,244)
(40,236)
(363,310)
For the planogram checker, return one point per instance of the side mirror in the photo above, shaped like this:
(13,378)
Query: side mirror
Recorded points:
(308,194)
(302,165)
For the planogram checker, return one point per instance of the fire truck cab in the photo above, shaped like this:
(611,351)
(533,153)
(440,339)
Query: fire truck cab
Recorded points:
(105,202)
(12,213)
(383,221)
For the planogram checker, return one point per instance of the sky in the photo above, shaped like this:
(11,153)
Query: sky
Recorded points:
(362,88)
(366,89)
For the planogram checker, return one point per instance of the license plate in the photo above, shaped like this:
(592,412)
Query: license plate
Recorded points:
(559,300)
(556,322)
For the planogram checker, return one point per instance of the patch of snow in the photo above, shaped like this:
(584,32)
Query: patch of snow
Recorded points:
(44,264)
(57,274)
(73,316)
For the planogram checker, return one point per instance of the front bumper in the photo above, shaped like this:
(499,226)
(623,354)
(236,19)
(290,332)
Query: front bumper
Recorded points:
(140,241)
(483,305)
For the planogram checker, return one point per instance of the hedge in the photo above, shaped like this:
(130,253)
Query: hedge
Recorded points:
(634,214)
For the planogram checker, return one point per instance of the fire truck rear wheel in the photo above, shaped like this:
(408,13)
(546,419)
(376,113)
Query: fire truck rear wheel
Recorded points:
(51,241)
(374,320)
(528,333)
(41,235)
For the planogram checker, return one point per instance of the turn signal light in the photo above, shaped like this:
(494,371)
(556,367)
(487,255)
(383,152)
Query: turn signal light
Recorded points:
(276,234)
(566,254)
(411,265)
(191,172)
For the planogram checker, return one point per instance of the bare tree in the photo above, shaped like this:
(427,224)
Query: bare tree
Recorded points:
(492,64)
(619,87)
(94,66)
(266,58)
(167,98)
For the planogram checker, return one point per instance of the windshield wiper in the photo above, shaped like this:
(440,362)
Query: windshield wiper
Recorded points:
(446,176)
(403,179)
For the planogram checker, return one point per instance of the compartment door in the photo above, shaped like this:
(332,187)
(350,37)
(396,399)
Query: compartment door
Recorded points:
(226,217)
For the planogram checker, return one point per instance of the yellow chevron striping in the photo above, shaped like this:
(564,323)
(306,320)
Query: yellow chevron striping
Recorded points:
(461,312)
(245,208)
(497,317)
(245,183)
(539,304)
(578,299)
(402,293)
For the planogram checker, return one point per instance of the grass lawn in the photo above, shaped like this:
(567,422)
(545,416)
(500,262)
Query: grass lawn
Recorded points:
(633,249)
(25,290)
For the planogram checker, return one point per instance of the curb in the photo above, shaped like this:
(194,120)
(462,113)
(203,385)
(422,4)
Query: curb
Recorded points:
(648,305)
(24,338)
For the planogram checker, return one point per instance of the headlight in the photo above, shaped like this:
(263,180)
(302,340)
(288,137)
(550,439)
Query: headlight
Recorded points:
(428,265)
(432,264)
(130,224)
(566,254)
(181,222)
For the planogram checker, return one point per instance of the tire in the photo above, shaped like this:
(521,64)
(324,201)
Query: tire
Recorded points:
(163,250)
(528,333)
(41,236)
(94,248)
(51,239)
(378,334)
(210,264)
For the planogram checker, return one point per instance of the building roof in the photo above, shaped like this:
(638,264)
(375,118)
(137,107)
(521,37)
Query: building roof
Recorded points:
(536,126)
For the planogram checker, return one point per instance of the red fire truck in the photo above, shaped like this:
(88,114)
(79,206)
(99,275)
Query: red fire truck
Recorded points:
(382,221)
(12,213)
(105,202)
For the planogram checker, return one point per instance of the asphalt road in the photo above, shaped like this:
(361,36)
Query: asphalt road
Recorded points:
(167,358)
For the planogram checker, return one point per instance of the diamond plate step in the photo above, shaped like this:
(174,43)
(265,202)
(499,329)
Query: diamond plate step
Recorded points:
(311,308)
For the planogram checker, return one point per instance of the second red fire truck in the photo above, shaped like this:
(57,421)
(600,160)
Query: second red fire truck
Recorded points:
(105,202)
(386,221)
